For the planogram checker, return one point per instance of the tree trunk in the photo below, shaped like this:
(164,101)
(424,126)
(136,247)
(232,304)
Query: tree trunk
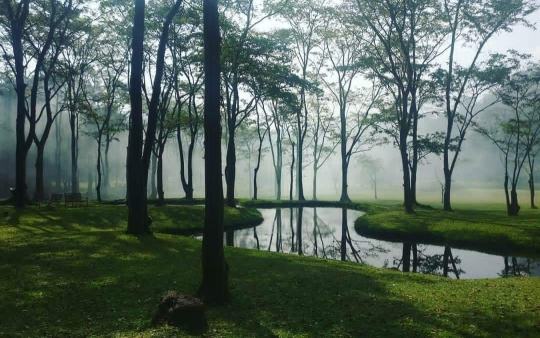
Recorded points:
(299,174)
(153,173)
(58,154)
(98,169)
(408,203)
(257,167)
(106,171)
(447,190)
(344,161)
(74,127)
(315,172)
(161,193)
(414,167)
(230,167)
(189,190)
(291,183)
(136,183)
(513,209)
(344,181)
(214,286)
(17,27)
(532,190)
(39,194)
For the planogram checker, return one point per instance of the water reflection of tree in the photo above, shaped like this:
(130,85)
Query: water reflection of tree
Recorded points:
(439,264)
(317,235)
(514,266)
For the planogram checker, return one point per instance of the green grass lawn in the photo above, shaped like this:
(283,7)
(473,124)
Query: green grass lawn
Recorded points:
(76,273)
(484,227)
(174,219)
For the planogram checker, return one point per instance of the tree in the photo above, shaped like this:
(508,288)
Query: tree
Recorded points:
(187,63)
(323,138)
(139,149)
(306,20)
(53,82)
(33,29)
(240,47)
(16,14)
(517,131)
(372,166)
(214,285)
(344,54)
(399,52)
(261,135)
(77,59)
(475,22)
(531,167)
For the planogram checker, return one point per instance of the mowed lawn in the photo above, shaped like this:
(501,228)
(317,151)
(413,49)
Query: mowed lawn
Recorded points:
(483,227)
(76,273)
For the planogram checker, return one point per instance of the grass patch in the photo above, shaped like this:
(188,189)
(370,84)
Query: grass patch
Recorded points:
(173,219)
(76,273)
(477,227)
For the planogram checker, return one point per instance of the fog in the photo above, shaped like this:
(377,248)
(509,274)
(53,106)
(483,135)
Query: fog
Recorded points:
(478,175)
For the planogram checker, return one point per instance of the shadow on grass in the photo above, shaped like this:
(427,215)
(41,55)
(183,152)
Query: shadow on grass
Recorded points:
(79,282)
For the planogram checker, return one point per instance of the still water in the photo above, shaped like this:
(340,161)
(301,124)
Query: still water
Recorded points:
(329,233)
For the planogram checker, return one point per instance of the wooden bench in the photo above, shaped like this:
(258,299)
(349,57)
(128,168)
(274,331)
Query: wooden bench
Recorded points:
(74,200)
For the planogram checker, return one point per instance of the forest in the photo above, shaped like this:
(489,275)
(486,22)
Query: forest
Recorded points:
(269,168)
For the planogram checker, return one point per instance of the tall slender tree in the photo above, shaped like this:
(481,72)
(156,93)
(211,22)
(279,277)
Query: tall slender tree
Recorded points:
(140,149)
(475,22)
(16,14)
(214,286)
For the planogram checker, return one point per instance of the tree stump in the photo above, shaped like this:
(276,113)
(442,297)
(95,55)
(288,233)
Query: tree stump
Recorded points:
(182,311)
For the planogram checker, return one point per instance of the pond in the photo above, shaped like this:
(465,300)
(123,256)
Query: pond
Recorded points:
(329,233)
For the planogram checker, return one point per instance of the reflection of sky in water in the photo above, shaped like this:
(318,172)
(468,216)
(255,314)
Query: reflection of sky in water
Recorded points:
(321,233)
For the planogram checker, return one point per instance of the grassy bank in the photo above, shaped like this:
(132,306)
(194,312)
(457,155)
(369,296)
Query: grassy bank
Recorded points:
(182,220)
(80,275)
(477,227)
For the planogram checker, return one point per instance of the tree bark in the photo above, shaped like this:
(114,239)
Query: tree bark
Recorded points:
(230,167)
(291,183)
(136,183)
(98,169)
(344,181)
(408,203)
(17,27)
(39,194)
(214,286)
(447,190)
(74,128)
(160,192)
(153,174)
(532,190)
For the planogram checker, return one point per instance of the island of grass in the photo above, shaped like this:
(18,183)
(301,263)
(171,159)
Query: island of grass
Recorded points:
(484,228)
(74,272)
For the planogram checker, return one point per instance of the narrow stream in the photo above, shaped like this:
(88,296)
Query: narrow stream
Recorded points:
(329,233)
